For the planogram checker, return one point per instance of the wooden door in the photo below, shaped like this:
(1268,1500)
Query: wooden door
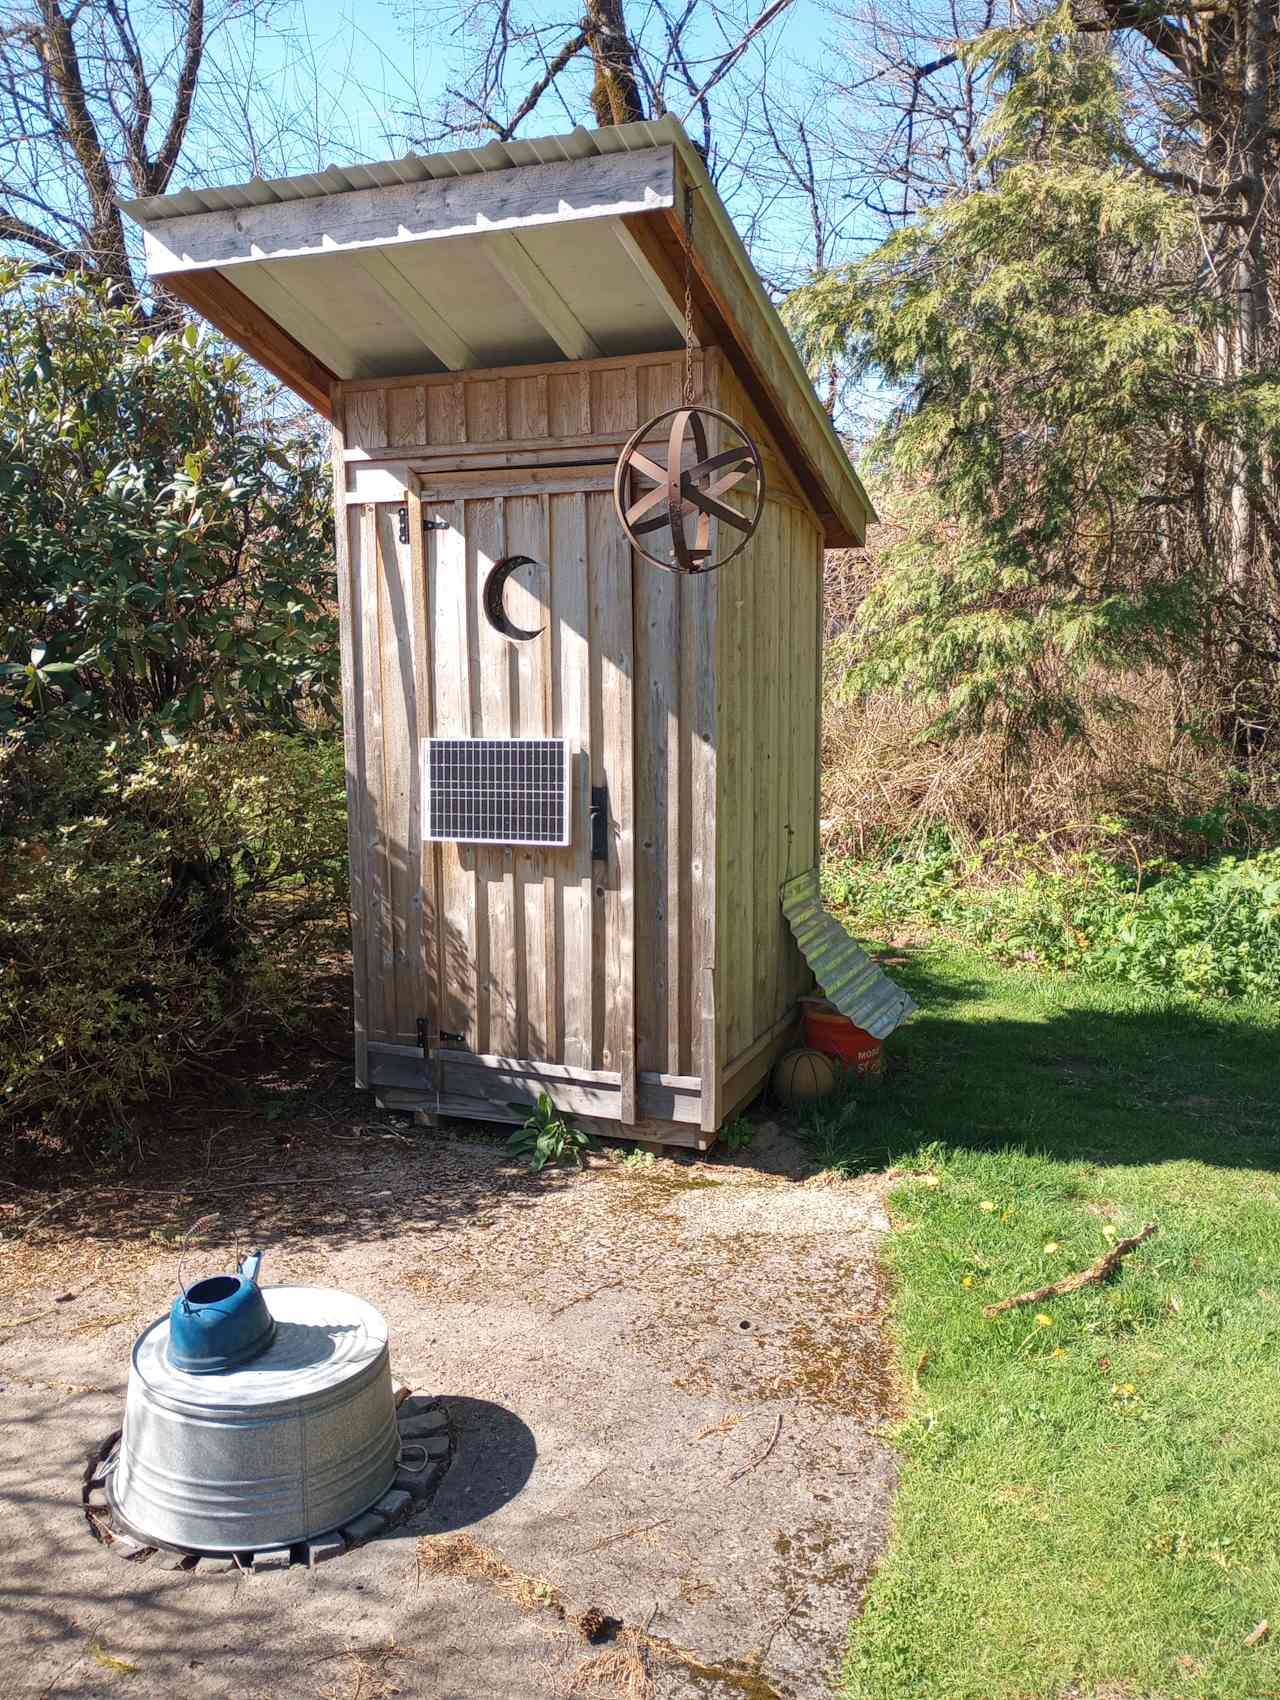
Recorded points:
(531,950)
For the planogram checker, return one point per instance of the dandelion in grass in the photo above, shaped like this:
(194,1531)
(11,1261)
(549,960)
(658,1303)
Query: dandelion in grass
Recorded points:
(932,1181)
(967,1282)
(1042,1320)
(1108,1232)
(986,1205)
(1058,1352)
(1051,1248)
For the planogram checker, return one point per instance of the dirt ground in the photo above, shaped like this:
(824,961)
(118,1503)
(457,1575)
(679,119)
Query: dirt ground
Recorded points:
(665,1386)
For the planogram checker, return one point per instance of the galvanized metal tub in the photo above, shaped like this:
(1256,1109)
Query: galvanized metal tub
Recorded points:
(292,1444)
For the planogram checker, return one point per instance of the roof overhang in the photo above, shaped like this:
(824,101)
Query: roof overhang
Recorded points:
(566,248)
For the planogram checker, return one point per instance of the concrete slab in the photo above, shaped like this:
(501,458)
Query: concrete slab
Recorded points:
(665,1383)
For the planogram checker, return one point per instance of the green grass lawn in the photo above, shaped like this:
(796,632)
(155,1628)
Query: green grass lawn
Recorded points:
(1090,1494)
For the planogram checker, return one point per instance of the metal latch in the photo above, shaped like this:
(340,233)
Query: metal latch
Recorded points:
(599,818)
(424,1036)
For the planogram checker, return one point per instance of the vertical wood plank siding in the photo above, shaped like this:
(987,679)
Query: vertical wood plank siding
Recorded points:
(353,740)
(769,668)
(532,953)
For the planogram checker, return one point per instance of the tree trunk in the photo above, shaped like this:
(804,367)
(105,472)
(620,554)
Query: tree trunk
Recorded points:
(615,93)
(107,255)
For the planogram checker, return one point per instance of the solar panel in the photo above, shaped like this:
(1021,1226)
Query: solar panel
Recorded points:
(496,790)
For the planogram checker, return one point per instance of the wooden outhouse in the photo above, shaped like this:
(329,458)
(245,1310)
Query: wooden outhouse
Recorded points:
(630,755)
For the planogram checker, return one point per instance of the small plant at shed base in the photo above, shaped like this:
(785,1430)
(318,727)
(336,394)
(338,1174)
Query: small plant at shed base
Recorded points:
(737,1135)
(548,1138)
(637,1159)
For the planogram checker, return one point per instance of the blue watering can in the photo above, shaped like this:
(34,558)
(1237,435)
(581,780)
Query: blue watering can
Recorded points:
(221,1322)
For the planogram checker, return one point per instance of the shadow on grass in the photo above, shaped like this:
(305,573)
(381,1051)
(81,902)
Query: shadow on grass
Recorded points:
(996,1059)
(1077,1070)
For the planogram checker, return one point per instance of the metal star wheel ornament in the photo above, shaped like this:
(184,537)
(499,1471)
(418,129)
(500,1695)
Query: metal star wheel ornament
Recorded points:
(692,484)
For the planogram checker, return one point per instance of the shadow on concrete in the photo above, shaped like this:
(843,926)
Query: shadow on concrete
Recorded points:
(338,1174)
(77,1620)
(494,1457)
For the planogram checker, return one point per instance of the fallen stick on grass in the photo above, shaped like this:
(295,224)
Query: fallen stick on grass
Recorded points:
(1106,1266)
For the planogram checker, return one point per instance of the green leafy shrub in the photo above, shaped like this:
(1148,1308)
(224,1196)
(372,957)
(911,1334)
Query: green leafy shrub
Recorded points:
(155,904)
(165,544)
(1212,930)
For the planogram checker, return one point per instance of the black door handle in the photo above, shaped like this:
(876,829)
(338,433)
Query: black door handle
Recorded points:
(599,823)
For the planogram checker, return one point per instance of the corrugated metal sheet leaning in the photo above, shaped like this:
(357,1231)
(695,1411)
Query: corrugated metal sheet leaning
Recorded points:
(857,986)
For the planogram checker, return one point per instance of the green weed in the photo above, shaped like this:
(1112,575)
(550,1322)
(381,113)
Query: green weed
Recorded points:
(1213,930)
(737,1135)
(547,1137)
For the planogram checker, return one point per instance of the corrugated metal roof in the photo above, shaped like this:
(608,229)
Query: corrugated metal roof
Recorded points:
(580,143)
(413,168)
(857,986)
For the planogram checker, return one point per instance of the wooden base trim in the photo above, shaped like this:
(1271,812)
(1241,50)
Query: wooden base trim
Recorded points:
(648,1130)
(528,1067)
(498,1087)
(742,1076)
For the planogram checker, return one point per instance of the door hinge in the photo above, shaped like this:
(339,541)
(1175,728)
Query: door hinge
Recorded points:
(430,522)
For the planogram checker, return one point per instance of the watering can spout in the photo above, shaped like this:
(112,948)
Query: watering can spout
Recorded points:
(250,1266)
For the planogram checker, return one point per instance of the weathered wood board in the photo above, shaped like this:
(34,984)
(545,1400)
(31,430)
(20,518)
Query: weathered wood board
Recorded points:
(656,984)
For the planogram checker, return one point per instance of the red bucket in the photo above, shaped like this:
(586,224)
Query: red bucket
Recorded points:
(826,1030)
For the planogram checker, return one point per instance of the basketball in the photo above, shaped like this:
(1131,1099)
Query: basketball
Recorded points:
(803,1075)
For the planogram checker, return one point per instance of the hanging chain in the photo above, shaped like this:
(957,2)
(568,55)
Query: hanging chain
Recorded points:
(688,298)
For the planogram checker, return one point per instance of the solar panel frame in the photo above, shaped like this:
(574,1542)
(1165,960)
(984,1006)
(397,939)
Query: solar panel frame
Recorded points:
(514,791)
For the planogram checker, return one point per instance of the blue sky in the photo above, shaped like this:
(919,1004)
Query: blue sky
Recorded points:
(349,76)
(370,61)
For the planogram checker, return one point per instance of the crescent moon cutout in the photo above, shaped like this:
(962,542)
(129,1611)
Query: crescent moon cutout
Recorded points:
(495,586)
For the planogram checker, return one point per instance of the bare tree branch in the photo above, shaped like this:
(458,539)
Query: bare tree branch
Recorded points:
(569,51)
(14,229)
(184,94)
(771,11)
